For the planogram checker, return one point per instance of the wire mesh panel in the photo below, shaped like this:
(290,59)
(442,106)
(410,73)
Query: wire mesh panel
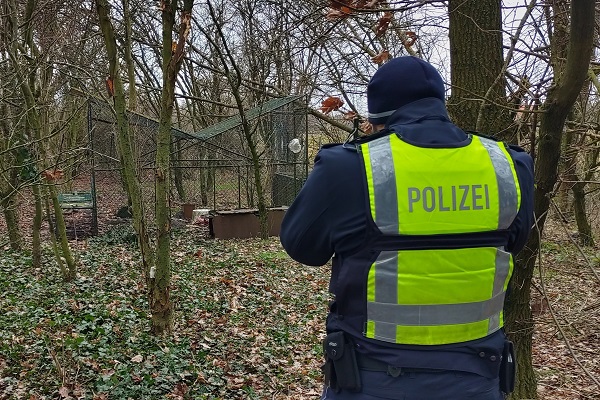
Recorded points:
(222,168)
(291,156)
(112,199)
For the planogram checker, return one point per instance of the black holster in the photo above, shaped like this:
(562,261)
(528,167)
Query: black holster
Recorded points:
(340,368)
(508,368)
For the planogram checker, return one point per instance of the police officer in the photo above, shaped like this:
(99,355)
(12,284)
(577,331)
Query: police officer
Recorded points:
(422,221)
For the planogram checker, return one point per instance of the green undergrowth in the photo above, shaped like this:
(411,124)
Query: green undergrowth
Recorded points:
(247,323)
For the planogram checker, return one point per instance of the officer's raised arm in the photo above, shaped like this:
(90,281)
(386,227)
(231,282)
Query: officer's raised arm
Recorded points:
(326,217)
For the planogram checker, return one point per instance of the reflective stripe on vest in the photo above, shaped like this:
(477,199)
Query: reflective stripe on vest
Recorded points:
(440,190)
(408,302)
(438,296)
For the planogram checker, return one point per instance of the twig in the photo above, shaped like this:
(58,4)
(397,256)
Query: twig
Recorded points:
(56,362)
(592,397)
(563,224)
(554,318)
(514,40)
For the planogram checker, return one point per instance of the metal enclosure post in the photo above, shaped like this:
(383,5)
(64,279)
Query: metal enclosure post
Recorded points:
(93,168)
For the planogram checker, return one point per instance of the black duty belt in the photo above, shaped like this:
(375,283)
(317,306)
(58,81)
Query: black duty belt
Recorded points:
(371,364)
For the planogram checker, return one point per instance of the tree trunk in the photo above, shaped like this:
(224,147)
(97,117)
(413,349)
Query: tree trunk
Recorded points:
(519,320)
(9,205)
(36,229)
(62,235)
(160,301)
(157,270)
(567,168)
(161,306)
(584,228)
(178,172)
(57,256)
(128,18)
(124,142)
(10,179)
(555,109)
(12,222)
(476,54)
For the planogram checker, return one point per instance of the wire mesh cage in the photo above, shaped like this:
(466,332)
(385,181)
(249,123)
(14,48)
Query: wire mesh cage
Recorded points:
(225,166)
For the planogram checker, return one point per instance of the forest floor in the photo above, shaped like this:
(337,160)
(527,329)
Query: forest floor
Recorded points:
(248,322)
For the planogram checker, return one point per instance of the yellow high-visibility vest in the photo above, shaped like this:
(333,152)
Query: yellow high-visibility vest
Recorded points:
(438,296)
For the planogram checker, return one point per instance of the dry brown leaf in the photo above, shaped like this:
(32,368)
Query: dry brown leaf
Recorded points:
(52,175)
(342,13)
(383,24)
(411,38)
(331,104)
(381,57)
(110,87)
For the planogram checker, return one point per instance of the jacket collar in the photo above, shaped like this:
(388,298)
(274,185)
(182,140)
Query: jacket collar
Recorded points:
(424,122)
(427,108)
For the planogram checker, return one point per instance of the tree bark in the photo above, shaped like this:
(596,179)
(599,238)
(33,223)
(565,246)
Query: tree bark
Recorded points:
(64,242)
(36,229)
(128,18)
(161,306)
(10,180)
(9,204)
(55,249)
(586,237)
(124,142)
(476,54)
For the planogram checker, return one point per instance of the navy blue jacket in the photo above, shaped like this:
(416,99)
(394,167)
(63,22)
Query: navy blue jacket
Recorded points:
(329,217)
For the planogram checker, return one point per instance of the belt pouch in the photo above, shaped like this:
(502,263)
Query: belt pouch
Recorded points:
(340,351)
(508,368)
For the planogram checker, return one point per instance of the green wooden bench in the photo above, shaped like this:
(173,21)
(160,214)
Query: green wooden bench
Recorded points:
(76,201)
(79,201)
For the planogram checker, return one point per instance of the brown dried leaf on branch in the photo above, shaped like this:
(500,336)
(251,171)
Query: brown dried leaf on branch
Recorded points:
(342,13)
(331,104)
(340,9)
(411,38)
(110,86)
(52,175)
(383,23)
(381,57)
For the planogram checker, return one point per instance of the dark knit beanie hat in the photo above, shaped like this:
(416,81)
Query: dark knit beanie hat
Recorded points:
(401,81)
